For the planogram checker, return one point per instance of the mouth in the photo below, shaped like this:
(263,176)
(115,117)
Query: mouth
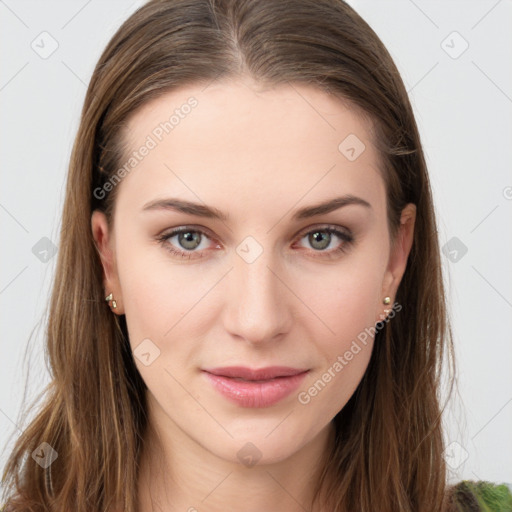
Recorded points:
(256,388)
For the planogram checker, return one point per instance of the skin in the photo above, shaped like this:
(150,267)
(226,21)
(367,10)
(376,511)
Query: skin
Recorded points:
(257,154)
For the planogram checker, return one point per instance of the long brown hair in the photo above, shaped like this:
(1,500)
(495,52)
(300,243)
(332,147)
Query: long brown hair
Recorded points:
(389,443)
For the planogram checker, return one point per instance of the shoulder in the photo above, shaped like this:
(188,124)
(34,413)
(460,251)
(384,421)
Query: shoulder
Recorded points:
(479,496)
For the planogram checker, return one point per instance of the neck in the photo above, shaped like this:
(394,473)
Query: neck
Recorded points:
(178,474)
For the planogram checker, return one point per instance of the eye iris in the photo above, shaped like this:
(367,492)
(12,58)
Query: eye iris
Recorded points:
(320,236)
(189,237)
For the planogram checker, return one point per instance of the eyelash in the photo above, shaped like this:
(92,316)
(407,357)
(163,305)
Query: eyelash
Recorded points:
(347,239)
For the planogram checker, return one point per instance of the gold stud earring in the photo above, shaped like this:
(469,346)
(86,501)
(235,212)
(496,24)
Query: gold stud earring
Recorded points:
(386,300)
(109,298)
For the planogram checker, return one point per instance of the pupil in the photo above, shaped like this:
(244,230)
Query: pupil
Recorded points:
(320,237)
(190,237)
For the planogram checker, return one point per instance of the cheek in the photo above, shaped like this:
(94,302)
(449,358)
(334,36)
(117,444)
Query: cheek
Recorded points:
(163,300)
(346,301)
(152,290)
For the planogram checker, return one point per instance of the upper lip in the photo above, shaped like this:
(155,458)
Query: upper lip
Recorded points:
(242,372)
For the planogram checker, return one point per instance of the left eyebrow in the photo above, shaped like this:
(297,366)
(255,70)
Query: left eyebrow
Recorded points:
(201,210)
(329,206)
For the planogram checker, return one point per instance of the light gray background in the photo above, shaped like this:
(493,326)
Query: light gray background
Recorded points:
(463,106)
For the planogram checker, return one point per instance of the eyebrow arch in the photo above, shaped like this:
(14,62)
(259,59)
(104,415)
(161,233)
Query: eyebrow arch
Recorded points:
(200,210)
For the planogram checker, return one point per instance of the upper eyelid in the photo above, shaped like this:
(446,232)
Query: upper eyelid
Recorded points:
(322,227)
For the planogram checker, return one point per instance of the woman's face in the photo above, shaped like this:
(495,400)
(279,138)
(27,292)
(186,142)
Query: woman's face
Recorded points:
(255,179)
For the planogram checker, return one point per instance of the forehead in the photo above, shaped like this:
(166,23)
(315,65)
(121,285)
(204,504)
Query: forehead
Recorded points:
(257,109)
(250,138)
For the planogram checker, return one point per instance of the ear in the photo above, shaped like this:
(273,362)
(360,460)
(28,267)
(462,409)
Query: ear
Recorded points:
(104,242)
(398,257)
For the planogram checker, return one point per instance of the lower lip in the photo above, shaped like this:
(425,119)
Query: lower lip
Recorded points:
(263,393)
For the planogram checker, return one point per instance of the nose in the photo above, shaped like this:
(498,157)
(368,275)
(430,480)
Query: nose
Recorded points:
(258,302)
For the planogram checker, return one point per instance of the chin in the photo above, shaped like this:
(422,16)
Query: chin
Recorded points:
(264,443)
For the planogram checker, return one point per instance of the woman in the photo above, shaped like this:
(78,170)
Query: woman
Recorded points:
(248,311)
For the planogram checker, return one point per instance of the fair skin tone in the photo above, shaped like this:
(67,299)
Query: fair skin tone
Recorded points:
(258,155)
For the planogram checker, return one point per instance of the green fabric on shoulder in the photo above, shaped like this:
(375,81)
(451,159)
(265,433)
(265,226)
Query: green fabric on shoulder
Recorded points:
(480,496)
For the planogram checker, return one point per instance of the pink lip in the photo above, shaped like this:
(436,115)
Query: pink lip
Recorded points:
(255,388)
